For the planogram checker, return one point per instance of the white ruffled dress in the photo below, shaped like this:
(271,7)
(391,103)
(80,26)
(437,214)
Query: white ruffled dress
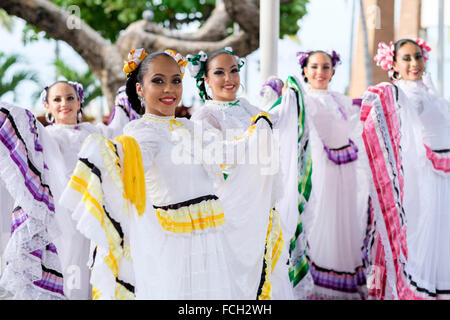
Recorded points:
(335,218)
(232,118)
(426,157)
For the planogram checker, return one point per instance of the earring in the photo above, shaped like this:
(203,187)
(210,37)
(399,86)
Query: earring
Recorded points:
(142,100)
(209,91)
(396,76)
(143,105)
(49,117)
(243,87)
(79,116)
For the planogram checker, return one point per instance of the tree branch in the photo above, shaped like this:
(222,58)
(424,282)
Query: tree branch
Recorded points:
(136,37)
(243,12)
(54,21)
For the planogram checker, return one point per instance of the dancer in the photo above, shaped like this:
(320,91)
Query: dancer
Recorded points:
(147,200)
(218,80)
(335,216)
(46,256)
(417,251)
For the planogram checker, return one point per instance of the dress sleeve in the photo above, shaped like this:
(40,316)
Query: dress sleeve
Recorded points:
(207,118)
(284,108)
(148,140)
(223,156)
(28,179)
(97,196)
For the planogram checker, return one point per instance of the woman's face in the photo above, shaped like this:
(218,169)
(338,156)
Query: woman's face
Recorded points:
(63,103)
(319,71)
(161,86)
(223,77)
(410,63)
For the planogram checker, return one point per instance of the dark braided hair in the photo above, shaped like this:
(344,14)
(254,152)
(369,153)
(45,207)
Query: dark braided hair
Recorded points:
(137,76)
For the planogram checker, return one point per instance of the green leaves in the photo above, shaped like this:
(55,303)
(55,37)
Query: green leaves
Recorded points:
(109,17)
(7,62)
(289,16)
(6,20)
(91,85)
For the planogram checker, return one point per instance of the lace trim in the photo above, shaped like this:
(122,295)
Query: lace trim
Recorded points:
(380,124)
(38,230)
(223,104)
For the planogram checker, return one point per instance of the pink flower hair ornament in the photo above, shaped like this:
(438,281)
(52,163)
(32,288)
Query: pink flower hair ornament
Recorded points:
(385,57)
(425,48)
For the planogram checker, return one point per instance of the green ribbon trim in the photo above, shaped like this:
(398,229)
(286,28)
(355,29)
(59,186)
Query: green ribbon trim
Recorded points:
(299,267)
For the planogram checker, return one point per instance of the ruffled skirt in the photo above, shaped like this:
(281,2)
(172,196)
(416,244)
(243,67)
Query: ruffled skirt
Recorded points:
(428,267)
(334,224)
(178,252)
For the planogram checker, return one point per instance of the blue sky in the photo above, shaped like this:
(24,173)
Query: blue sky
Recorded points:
(326,26)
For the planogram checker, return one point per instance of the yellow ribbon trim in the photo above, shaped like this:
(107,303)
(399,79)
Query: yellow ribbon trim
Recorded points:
(92,203)
(133,176)
(88,184)
(172,122)
(199,216)
(122,293)
(261,114)
(96,294)
(274,247)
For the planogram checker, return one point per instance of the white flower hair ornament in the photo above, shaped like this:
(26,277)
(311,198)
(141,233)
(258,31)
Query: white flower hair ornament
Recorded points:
(425,48)
(179,58)
(196,64)
(239,60)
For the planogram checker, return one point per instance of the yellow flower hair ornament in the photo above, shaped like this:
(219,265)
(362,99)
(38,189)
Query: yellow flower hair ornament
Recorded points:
(135,57)
(179,58)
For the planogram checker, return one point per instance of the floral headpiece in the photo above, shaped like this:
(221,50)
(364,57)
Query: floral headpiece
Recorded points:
(385,55)
(77,86)
(196,64)
(179,58)
(240,61)
(303,55)
(135,57)
(425,48)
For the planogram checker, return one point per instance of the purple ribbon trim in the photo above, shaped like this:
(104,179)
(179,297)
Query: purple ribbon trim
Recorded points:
(343,155)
